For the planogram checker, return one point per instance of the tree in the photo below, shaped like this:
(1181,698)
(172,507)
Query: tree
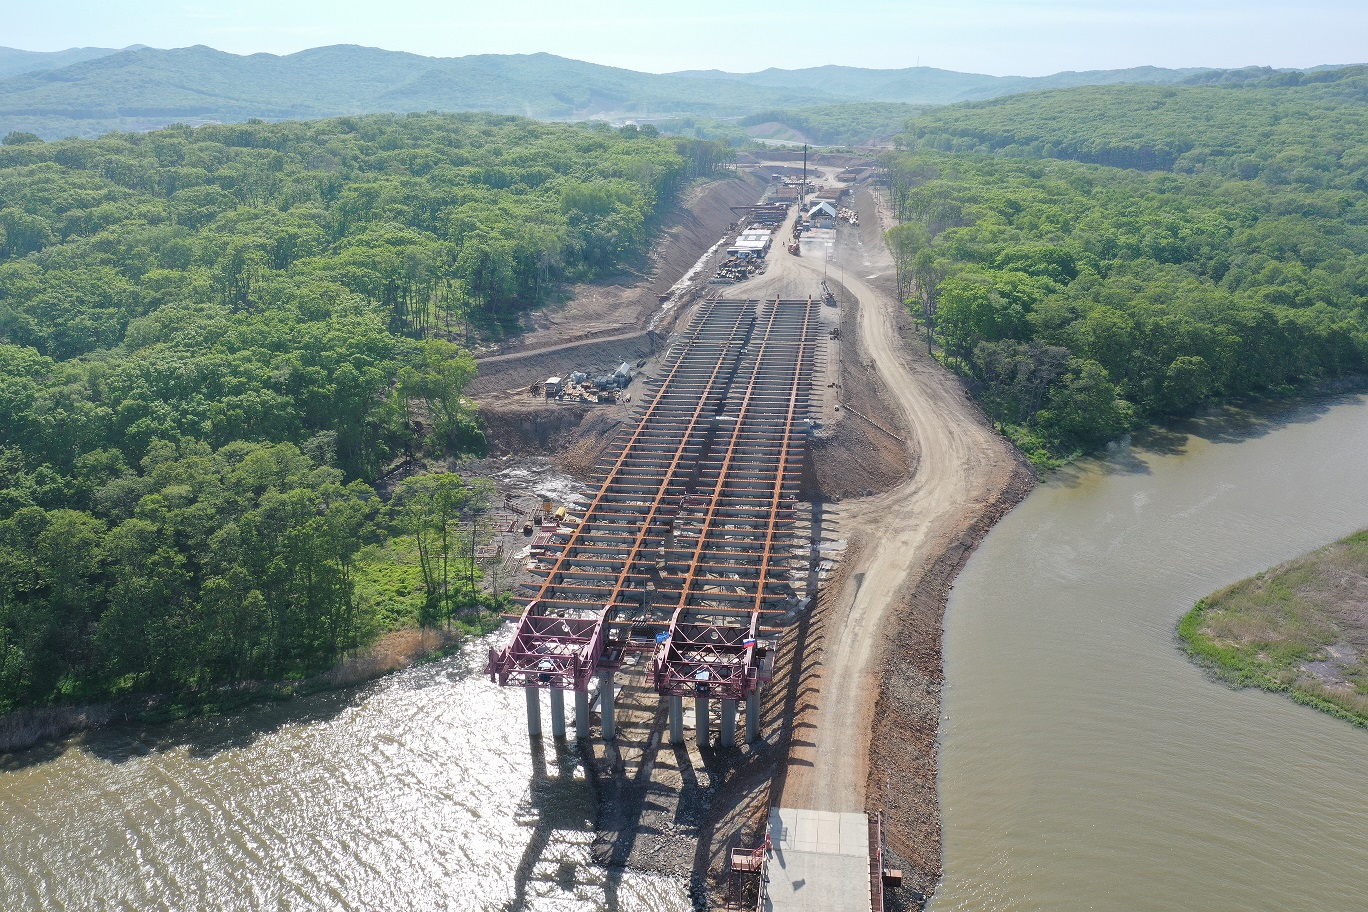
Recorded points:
(1083,410)
(1187,383)
(905,242)
(980,308)
(431,508)
(1016,377)
(437,379)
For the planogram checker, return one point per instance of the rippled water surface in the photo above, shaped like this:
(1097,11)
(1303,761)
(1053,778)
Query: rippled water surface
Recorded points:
(419,792)
(1086,765)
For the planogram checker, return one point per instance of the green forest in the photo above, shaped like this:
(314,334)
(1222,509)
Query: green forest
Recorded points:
(89,91)
(142,88)
(1095,258)
(215,342)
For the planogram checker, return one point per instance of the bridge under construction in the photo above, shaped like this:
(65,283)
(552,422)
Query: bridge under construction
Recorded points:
(687,550)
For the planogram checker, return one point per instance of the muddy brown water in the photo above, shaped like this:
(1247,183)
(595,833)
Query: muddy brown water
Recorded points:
(419,792)
(1086,764)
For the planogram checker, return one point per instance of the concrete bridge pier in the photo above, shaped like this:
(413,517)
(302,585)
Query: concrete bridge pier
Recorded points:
(534,728)
(728,738)
(676,720)
(581,714)
(753,716)
(702,723)
(606,705)
(557,713)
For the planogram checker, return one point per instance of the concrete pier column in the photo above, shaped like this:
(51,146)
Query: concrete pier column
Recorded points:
(533,712)
(728,738)
(581,714)
(606,707)
(753,717)
(557,713)
(676,720)
(702,724)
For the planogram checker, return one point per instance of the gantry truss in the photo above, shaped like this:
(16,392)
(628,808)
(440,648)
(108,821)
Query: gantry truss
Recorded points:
(686,545)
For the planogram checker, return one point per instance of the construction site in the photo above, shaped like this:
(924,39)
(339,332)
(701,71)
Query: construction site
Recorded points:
(736,613)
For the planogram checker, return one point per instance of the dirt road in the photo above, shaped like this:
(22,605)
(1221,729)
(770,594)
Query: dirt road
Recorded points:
(961,467)
(875,633)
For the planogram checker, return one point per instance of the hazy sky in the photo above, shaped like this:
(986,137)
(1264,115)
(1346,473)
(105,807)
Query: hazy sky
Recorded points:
(1002,37)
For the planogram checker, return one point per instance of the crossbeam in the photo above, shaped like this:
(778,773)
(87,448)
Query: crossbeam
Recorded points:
(686,545)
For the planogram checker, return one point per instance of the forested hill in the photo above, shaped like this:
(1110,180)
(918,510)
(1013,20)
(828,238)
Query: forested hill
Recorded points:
(928,85)
(1080,298)
(1238,129)
(13,61)
(212,341)
(145,88)
(138,89)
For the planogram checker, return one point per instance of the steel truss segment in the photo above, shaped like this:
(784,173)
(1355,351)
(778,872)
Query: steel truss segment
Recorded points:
(550,650)
(524,659)
(712,660)
(712,647)
(686,542)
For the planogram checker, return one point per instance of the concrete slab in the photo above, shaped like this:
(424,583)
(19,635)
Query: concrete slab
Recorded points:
(829,833)
(819,861)
(855,835)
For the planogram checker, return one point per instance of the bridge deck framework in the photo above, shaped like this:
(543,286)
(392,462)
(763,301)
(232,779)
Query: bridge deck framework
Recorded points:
(687,542)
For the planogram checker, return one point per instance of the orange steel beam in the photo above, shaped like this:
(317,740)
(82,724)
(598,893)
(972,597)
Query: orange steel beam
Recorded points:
(709,522)
(624,457)
(660,490)
(695,645)
(524,646)
(781,449)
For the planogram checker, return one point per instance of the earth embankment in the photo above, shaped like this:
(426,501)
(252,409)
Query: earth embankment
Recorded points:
(874,669)
(612,319)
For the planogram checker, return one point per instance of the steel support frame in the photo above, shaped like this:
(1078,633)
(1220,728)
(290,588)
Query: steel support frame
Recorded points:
(561,635)
(713,641)
(689,530)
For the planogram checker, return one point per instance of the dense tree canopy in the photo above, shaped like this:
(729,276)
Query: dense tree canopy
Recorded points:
(1306,129)
(213,341)
(1081,297)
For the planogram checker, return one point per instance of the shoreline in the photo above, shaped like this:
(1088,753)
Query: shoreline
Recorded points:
(30,727)
(905,740)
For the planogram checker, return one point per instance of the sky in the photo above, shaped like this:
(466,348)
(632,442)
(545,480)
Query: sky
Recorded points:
(999,37)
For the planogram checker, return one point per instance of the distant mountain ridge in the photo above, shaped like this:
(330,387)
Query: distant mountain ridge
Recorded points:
(89,91)
(928,85)
(14,62)
(139,89)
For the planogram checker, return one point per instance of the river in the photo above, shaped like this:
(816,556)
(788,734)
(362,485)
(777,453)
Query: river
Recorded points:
(418,792)
(1086,764)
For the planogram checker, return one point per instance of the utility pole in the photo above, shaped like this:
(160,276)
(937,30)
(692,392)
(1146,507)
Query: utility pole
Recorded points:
(802,194)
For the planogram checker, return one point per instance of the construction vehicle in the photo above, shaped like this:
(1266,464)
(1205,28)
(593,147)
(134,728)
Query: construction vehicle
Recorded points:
(793,248)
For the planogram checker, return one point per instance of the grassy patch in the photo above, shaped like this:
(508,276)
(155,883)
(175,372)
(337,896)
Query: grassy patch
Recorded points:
(389,585)
(1300,629)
